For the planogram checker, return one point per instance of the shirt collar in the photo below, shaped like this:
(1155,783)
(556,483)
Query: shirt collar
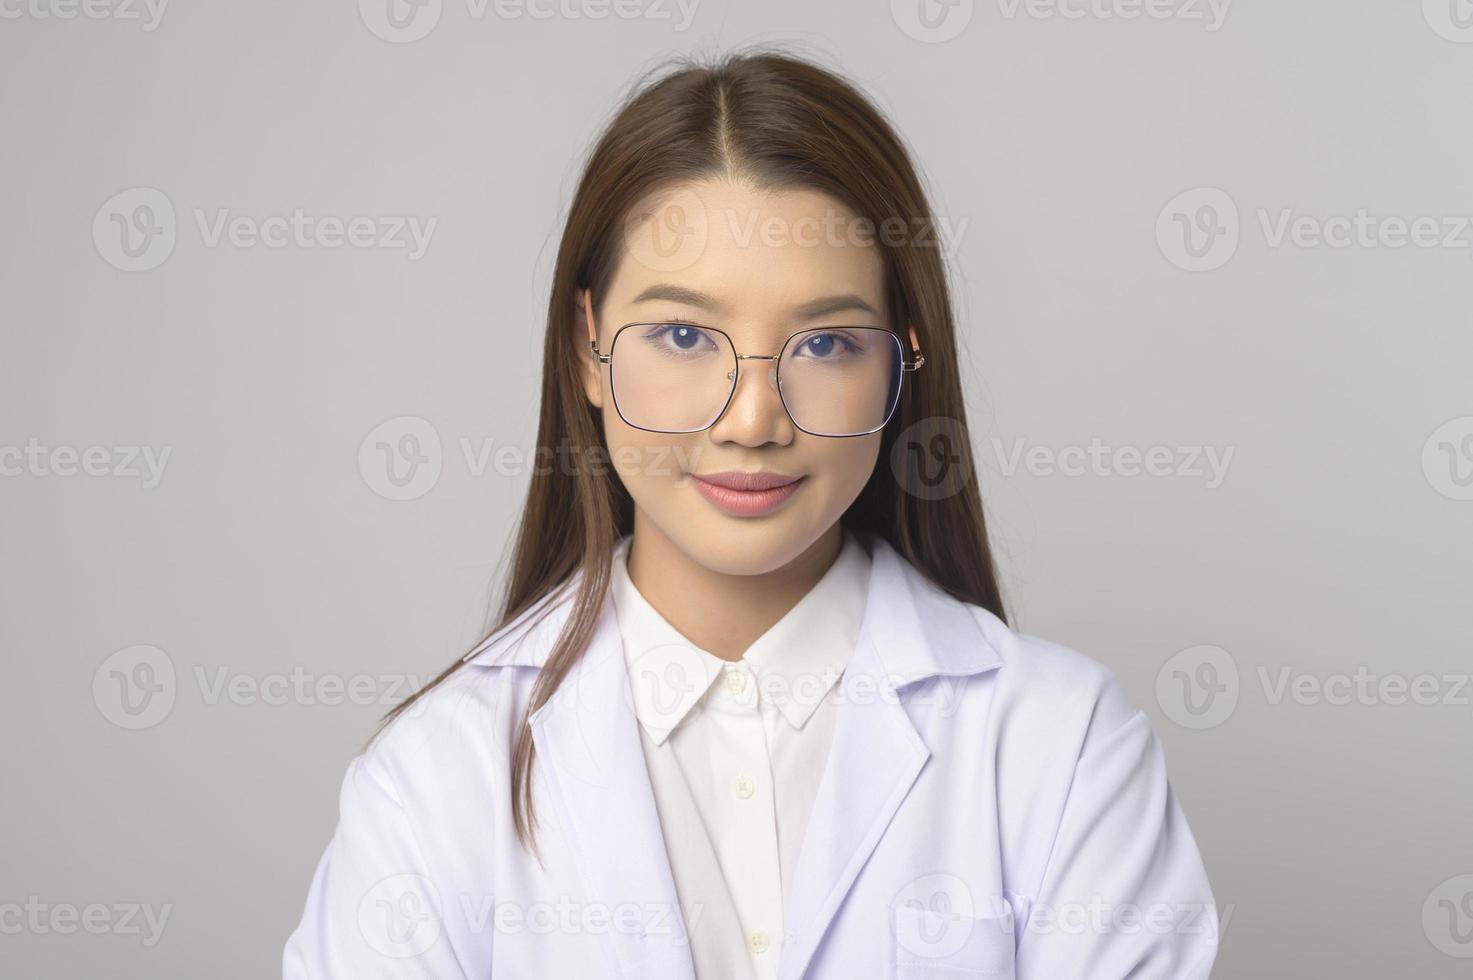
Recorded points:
(797,660)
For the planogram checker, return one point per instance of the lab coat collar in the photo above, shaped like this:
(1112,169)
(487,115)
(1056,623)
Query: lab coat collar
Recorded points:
(800,658)
(594,772)
(918,630)
(796,662)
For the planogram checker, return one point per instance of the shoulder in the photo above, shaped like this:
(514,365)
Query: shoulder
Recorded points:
(467,724)
(423,806)
(1050,675)
(480,703)
(461,727)
(1048,698)
(1063,736)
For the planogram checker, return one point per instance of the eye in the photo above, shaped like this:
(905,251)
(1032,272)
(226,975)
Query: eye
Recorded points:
(680,339)
(827,345)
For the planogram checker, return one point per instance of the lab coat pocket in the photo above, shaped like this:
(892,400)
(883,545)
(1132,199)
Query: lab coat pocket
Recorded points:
(939,945)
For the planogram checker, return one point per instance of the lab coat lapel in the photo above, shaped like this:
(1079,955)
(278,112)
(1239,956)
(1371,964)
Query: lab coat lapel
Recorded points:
(586,736)
(911,631)
(875,757)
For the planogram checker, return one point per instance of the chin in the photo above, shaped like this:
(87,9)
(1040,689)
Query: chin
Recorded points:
(748,545)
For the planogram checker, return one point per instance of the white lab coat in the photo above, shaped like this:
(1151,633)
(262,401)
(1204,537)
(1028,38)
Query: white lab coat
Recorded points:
(992,808)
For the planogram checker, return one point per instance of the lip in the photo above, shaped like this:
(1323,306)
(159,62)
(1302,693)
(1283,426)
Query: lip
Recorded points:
(747,494)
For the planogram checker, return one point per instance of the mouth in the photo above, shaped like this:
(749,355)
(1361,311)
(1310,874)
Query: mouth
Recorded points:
(747,494)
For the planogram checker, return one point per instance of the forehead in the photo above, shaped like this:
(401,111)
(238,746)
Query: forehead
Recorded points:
(756,253)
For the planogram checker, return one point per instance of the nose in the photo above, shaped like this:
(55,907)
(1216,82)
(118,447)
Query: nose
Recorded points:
(755,415)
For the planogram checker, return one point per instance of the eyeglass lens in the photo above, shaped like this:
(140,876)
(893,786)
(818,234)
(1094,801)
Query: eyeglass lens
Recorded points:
(679,377)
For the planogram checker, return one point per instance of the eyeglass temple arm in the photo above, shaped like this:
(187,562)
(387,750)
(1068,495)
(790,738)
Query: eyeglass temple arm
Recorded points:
(592,333)
(915,346)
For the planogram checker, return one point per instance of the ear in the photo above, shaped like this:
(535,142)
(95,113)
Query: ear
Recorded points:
(585,330)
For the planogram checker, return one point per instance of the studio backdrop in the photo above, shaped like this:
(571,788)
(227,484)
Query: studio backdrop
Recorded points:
(273,284)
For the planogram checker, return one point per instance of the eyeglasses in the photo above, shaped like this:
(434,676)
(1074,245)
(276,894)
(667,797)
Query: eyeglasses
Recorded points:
(679,377)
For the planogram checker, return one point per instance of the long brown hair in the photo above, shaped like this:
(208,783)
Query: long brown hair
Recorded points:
(782,123)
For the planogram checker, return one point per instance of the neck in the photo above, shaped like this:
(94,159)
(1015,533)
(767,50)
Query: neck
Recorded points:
(722,612)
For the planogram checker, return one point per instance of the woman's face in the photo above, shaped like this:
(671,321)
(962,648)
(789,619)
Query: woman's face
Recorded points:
(760,266)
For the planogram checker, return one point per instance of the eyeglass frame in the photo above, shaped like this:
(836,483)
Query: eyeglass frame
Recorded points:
(906,367)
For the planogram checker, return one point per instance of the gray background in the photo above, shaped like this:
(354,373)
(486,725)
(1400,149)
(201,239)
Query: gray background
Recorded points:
(1339,378)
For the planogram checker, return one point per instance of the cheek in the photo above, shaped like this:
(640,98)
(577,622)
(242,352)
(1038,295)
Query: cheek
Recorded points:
(844,465)
(648,463)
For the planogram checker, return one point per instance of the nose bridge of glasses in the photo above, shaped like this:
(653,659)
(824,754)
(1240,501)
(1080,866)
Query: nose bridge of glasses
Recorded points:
(771,371)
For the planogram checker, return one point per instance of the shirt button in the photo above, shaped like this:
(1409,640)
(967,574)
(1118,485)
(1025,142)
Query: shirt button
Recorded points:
(736,681)
(742,787)
(757,942)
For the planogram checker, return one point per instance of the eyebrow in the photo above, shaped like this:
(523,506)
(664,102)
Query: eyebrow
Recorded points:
(811,310)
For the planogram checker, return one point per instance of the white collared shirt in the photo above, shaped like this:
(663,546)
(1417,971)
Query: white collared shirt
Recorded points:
(735,752)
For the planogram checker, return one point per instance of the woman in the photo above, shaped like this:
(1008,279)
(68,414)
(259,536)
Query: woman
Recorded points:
(753,709)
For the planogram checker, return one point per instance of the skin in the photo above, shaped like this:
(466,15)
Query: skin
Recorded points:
(723,581)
